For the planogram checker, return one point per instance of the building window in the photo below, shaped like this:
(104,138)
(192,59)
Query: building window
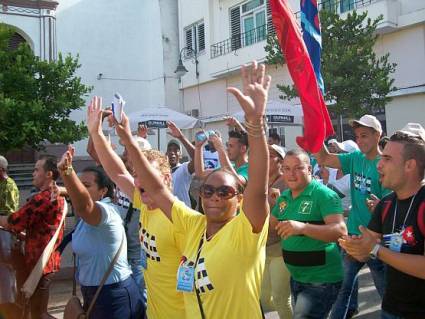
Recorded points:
(195,38)
(249,23)
(339,6)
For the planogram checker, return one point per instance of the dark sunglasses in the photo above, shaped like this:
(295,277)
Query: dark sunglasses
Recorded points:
(224,192)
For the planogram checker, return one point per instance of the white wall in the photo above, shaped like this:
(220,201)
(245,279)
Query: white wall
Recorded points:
(121,39)
(404,109)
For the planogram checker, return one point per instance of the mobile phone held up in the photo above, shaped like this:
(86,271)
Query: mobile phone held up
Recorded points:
(118,107)
(201,136)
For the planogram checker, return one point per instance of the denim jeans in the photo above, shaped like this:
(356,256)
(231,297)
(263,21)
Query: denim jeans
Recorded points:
(313,301)
(136,268)
(351,270)
(387,315)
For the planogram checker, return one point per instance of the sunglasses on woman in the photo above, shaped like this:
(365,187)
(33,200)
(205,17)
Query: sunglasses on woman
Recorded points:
(224,192)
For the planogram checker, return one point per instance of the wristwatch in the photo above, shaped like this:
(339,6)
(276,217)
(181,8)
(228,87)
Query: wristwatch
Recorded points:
(67,170)
(374,252)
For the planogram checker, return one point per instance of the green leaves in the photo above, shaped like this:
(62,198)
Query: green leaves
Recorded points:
(357,81)
(37,97)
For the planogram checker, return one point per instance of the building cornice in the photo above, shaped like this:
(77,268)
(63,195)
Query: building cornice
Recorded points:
(31,4)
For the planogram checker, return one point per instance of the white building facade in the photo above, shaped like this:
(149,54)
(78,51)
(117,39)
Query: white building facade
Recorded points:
(229,33)
(124,46)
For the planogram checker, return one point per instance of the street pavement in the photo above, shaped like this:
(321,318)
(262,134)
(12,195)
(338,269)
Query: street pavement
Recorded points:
(369,300)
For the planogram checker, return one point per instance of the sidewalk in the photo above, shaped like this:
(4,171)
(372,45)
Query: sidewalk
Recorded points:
(369,301)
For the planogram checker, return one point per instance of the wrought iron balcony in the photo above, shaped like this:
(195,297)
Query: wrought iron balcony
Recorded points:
(239,41)
(260,34)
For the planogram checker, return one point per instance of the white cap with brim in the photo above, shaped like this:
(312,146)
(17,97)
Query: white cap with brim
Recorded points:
(368,121)
(143,143)
(414,129)
(279,150)
(348,146)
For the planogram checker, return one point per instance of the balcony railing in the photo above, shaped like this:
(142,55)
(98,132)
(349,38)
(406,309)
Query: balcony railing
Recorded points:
(239,41)
(259,34)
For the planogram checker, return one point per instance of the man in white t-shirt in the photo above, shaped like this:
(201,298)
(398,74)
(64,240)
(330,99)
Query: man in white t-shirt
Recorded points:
(181,173)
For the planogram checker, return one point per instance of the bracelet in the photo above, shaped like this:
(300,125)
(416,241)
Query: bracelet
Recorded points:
(256,130)
(260,134)
(67,170)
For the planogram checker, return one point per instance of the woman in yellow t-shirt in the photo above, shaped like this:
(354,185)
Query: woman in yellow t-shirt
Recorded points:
(223,252)
(160,242)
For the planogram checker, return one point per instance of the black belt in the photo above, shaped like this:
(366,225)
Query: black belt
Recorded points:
(304,258)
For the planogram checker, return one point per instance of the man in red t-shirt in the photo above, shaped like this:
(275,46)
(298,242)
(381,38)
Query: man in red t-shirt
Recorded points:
(39,218)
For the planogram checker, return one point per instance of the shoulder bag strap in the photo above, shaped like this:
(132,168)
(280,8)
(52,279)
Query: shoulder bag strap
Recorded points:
(105,276)
(201,309)
(33,279)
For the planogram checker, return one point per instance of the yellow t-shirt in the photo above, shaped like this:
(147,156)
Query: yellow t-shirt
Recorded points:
(230,267)
(161,244)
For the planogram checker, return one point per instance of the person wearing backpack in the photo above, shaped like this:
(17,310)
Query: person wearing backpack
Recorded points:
(396,232)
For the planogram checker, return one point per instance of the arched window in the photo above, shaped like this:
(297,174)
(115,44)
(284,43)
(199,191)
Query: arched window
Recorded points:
(16,40)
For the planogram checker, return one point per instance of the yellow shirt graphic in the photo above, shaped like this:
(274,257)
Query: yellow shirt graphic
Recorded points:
(161,244)
(230,266)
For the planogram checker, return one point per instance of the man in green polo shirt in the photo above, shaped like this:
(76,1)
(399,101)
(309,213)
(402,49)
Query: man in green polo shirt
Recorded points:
(366,189)
(237,151)
(309,218)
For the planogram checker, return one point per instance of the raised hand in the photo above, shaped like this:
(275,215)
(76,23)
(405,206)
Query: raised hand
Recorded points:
(174,130)
(66,160)
(123,129)
(253,97)
(142,131)
(216,140)
(94,115)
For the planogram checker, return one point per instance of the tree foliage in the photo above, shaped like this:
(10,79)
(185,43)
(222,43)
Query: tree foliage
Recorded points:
(357,81)
(37,97)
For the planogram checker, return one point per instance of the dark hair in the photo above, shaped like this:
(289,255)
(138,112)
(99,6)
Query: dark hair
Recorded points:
(50,164)
(298,153)
(101,179)
(241,136)
(414,148)
(383,141)
(275,136)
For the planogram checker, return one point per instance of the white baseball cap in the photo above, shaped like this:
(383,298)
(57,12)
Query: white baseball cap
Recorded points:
(143,143)
(348,146)
(368,121)
(414,129)
(279,150)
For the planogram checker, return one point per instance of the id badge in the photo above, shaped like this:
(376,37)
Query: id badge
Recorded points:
(363,188)
(185,278)
(144,259)
(396,241)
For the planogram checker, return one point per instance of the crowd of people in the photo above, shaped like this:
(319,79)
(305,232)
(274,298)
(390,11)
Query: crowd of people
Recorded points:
(240,228)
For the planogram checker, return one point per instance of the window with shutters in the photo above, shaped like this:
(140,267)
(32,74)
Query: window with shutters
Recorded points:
(194,36)
(250,22)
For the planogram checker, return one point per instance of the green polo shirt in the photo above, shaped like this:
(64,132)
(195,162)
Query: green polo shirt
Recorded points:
(362,171)
(310,260)
(242,170)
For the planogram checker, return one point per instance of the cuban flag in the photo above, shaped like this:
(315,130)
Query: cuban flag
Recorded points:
(310,25)
(317,123)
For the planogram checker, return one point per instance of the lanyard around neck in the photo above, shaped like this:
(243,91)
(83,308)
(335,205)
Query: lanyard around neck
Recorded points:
(407,214)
